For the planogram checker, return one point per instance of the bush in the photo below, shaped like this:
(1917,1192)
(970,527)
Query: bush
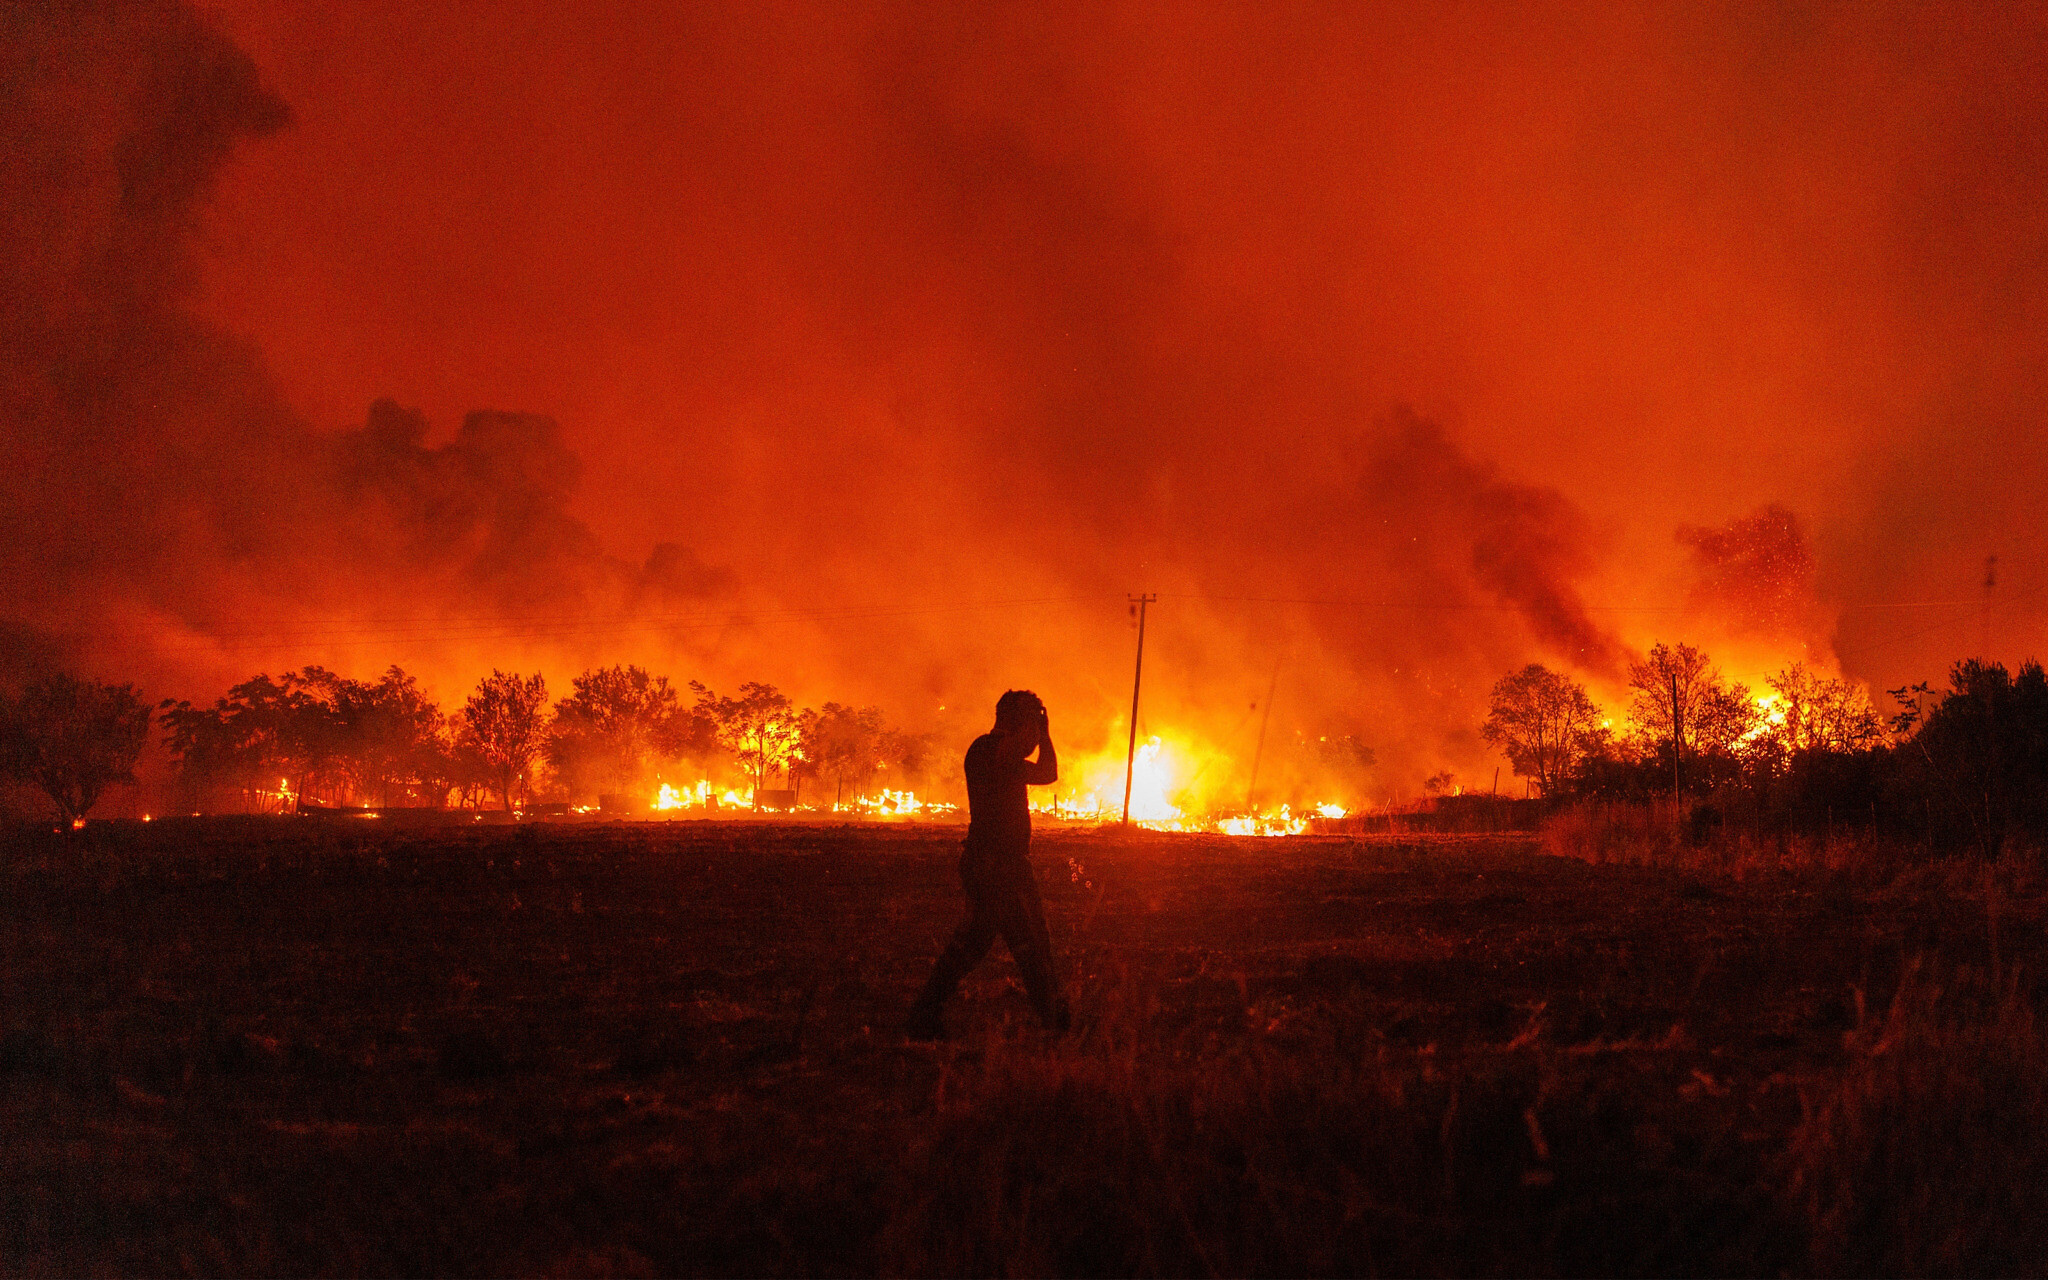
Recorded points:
(72,738)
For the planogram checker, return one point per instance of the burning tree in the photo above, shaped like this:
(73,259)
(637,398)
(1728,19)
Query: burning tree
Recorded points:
(505,724)
(1682,705)
(73,737)
(1545,723)
(1819,713)
(614,724)
(760,728)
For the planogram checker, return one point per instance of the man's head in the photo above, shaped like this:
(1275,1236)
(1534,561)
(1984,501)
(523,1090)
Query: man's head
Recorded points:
(1018,709)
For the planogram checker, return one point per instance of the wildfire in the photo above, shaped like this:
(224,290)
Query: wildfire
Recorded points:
(1151,779)
(1151,775)
(283,799)
(1770,718)
(1162,798)
(900,804)
(1283,823)
(702,796)
(669,798)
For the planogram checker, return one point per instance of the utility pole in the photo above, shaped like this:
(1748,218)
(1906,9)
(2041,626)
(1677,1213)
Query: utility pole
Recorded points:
(1131,751)
(1251,792)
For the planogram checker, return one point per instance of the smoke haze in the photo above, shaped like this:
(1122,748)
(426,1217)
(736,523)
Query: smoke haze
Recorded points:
(877,352)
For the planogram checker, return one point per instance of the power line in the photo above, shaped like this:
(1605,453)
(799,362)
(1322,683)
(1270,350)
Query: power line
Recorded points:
(537,624)
(1499,606)
(425,631)
(389,630)
(1448,606)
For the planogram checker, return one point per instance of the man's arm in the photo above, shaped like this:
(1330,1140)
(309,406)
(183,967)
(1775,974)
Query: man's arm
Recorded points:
(1045,769)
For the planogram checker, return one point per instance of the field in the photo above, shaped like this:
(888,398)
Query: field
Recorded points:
(285,1047)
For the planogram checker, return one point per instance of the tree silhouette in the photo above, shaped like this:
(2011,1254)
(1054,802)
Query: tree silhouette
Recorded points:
(842,743)
(317,733)
(616,723)
(505,723)
(388,737)
(72,738)
(263,729)
(907,753)
(1982,754)
(463,770)
(1545,723)
(1682,704)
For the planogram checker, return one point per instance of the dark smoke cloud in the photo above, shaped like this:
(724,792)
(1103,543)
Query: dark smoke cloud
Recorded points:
(164,495)
(484,519)
(1476,537)
(126,418)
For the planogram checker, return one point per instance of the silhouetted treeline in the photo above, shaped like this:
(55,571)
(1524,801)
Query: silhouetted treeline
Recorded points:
(313,737)
(1965,768)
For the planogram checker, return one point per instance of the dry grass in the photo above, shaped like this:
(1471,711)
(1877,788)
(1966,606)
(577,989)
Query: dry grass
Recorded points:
(1924,1154)
(1515,1158)
(1691,836)
(670,1050)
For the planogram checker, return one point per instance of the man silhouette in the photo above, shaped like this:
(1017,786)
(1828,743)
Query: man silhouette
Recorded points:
(995,867)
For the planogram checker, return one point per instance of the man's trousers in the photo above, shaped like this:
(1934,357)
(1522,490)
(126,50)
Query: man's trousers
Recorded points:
(1002,900)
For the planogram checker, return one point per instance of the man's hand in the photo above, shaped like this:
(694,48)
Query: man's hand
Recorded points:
(1047,768)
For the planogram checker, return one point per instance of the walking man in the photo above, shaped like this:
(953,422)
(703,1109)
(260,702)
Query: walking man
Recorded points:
(995,867)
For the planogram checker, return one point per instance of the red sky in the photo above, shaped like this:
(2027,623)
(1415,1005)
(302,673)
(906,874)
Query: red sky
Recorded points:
(892,307)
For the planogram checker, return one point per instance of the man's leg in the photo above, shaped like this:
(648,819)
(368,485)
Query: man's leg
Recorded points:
(1022,921)
(968,945)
